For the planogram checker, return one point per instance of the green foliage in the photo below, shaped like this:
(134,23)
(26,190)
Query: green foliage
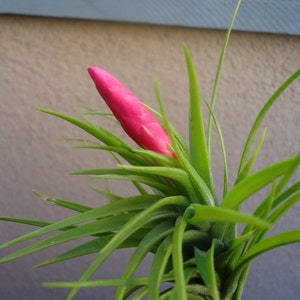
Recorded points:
(176,214)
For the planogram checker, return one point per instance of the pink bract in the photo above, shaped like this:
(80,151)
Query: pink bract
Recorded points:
(137,121)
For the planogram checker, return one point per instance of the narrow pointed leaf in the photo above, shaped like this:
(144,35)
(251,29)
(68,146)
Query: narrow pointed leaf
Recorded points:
(198,143)
(133,225)
(249,165)
(252,184)
(100,133)
(278,240)
(105,193)
(152,238)
(262,115)
(103,225)
(218,73)
(219,214)
(131,203)
(158,267)
(37,223)
(176,174)
(64,203)
(206,267)
(94,246)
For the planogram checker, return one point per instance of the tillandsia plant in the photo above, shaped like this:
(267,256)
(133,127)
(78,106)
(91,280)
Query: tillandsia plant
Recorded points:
(176,215)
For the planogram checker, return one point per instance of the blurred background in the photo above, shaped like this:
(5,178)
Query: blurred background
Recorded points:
(44,54)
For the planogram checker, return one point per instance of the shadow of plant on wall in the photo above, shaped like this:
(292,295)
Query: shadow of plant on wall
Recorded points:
(176,214)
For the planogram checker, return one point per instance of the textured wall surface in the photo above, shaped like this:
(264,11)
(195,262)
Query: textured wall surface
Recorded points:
(43,63)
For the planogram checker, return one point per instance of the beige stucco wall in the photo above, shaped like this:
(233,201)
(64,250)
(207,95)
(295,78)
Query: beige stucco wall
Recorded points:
(43,63)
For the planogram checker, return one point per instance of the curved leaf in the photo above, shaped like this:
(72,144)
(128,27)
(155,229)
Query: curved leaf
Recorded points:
(252,184)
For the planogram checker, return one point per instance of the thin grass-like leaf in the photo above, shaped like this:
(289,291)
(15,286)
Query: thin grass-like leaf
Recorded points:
(205,213)
(97,283)
(275,241)
(152,238)
(206,267)
(177,255)
(176,174)
(218,75)
(250,163)
(281,198)
(147,180)
(127,175)
(103,135)
(252,184)
(277,215)
(37,223)
(64,203)
(177,141)
(87,248)
(197,137)
(223,149)
(262,115)
(126,205)
(285,195)
(94,246)
(158,267)
(86,141)
(156,159)
(104,225)
(176,148)
(107,194)
(133,225)
(177,259)
(205,194)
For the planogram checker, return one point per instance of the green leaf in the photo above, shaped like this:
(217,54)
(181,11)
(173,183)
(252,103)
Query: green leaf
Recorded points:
(204,194)
(37,223)
(90,247)
(262,115)
(276,241)
(205,213)
(94,246)
(222,144)
(147,243)
(249,165)
(206,267)
(285,195)
(105,193)
(63,203)
(158,267)
(156,159)
(126,205)
(101,226)
(279,200)
(218,74)
(147,180)
(254,183)
(100,133)
(277,215)
(98,283)
(121,174)
(132,226)
(177,255)
(198,145)
(180,177)
(178,146)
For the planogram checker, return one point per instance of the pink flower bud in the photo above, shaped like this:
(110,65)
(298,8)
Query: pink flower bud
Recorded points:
(137,121)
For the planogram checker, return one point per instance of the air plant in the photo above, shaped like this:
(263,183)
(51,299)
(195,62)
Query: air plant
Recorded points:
(176,214)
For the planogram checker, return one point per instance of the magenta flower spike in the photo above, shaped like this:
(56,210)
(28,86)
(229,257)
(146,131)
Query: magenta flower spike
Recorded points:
(136,120)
